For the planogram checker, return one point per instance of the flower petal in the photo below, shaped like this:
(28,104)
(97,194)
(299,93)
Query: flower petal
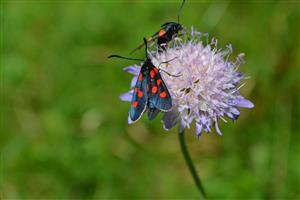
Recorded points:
(232,116)
(129,120)
(133,81)
(126,96)
(243,103)
(217,128)
(198,129)
(133,69)
(205,121)
(234,111)
(170,119)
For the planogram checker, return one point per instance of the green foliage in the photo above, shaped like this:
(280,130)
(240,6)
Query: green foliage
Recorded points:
(64,131)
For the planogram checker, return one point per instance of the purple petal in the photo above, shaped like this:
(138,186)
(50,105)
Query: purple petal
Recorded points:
(232,116)
(133,81)
(234,111)
(217,128)
(206,123)
(198,129)
(170,119)
(243,103)
(133,69)
(229,115)
(129,120)
(207,129)
(126,96)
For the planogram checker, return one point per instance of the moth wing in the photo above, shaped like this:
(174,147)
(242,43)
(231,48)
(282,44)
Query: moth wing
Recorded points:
(158,92)
(152,111)
(139,99)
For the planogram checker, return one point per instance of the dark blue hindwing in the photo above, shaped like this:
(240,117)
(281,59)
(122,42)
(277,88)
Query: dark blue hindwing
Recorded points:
(152,111)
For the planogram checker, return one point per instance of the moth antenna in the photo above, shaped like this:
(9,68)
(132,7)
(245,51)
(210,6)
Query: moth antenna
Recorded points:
(178,75)
(146,47)
(168,60)
(179,12)
(117,56)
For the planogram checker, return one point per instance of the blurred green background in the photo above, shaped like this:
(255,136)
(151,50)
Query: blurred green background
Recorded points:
(64,131)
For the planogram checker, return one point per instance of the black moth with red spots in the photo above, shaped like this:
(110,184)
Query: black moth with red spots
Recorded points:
(150,92)
(167,32)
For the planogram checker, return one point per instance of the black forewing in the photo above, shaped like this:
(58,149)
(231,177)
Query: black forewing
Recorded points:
(139,98)
(158,91)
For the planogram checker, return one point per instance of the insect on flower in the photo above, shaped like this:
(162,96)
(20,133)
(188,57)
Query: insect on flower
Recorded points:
(150,91)
(167,32)
(207,89)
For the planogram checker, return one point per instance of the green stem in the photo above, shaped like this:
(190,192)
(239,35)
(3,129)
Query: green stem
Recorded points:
(190,164)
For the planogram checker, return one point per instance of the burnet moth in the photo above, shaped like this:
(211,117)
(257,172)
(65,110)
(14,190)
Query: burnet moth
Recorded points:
(167,32)
(150,92)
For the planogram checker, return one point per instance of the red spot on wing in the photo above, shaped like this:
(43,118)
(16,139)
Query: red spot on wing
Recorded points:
(140,94)
(161,32)
(152,74)
(154,89)
(155,70)
(136,89)
(135,104)
(147,87)
(140,77)
(158,82)
(163,94)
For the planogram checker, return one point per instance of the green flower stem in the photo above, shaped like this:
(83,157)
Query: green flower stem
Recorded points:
(190,164)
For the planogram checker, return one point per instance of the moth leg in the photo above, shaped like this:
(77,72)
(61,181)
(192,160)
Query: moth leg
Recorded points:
(178,75)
